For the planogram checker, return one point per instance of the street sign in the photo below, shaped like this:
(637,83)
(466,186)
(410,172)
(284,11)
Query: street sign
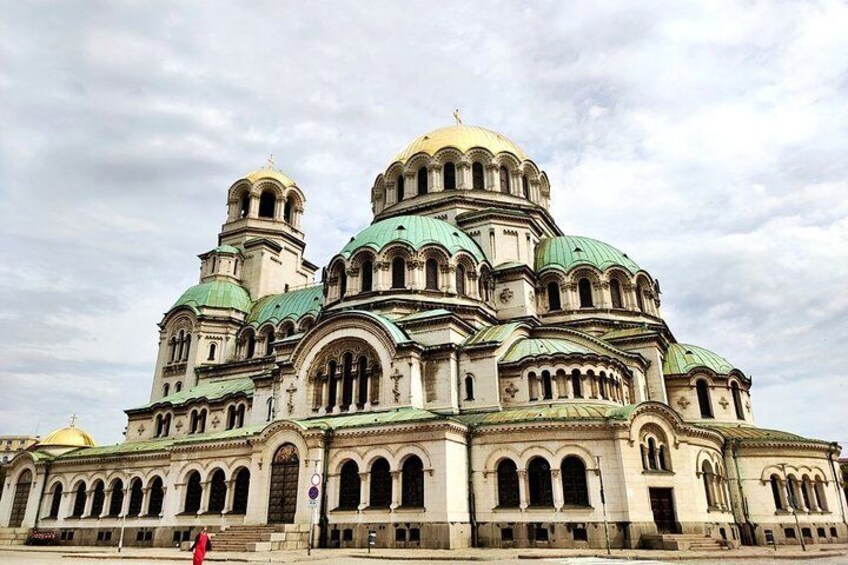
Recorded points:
(312,503)
(313,493)
(316,479)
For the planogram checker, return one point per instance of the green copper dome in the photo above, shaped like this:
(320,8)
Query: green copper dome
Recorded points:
(682,358)
(569,251)
(289,305)
(530,347)
(215,294)
(416,231)
(227,249)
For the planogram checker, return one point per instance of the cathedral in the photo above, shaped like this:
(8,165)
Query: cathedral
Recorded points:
(463,375)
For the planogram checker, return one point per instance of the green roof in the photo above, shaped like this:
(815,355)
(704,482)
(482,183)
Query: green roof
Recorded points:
(415,231)
(569,251)
(540,347)
(682,358)
(370,419)
(291,305)
(215,294)
(492,334)
(752,434)
(227,249)
(549,412)
(206,391)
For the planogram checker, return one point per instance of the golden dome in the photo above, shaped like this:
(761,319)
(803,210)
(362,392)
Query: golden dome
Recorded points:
(70,436)
(269,173)
(463,138)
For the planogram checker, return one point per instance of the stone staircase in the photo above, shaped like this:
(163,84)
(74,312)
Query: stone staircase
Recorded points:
(262,538)
(684,542)
(13,536)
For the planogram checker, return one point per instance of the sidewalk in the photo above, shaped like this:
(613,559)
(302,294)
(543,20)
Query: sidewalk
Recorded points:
(165,555)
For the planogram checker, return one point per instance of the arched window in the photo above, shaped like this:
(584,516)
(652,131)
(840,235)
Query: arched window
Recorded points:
(235,267)
(166,389)
(477,177)
(136,498)
(172,349)
(547,386)
(508,484)
(504,179)
(525,186)
(362,375)
(212,350)
(157,497)
(821,499)
(178,386)
(432,274)
(412,483)
(381,484)
(267,203)
(807,492)
(367,271)
(217,492)
(342,275)
(347,380)
(398,273)
(55,501)
(250,350)
(775,492)
(792,483)
(79,501)
(231,417)
(332,385)
(241,491)
(584,288)
(707,477)
(98,498)
(269,342)
(704,398)
(288,210)
(460,280)
(640,297)
(449,173)
(399,188)
(116,503)
(422,181)
(539,477)
(244,205)
(187,346)
(652,454)
(554,302)
(469,387)
(349,486)
(214,264)
(737,400)
(615,293)
(576,384)
(575,491)
(269,409)
(194,492)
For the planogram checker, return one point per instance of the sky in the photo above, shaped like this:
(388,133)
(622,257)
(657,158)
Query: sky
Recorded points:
(705,139)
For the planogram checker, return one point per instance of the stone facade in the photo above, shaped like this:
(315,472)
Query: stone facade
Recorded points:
(464,375)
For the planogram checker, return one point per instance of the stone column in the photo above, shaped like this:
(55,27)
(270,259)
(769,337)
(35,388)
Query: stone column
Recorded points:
(89,503)
(396,490)
(204,498)
(554,387)
(145,501)
(125,507)
(410,186)
(354,374)
(228,499)
(339,390)
(254,207)
(556,483)
(364,490)
(448,273)
(435,178)
(523,490)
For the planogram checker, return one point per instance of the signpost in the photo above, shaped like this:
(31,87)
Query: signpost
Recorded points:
(313,493)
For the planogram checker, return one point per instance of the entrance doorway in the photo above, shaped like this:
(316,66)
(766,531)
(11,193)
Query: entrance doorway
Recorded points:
(20,499)
(662,505)
(282,502)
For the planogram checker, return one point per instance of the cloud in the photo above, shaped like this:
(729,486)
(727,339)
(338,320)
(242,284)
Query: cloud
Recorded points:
(704,139)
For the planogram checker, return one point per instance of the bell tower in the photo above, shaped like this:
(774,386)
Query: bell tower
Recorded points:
(264,211)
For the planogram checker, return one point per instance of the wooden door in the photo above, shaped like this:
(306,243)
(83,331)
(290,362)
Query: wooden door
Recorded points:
(662,505)
(19,501)
(282,502)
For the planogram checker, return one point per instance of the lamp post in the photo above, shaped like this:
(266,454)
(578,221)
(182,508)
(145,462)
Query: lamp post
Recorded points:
(793,504)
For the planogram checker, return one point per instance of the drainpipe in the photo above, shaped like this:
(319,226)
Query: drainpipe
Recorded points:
(472,513)
(834,447)
(322,518)
(734,446)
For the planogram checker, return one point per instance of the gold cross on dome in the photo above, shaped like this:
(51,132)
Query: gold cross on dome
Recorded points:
(457,117)
(73,419)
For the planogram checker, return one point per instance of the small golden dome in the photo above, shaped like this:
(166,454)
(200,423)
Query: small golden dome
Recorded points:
(268,173)
(462,137)
(70,436)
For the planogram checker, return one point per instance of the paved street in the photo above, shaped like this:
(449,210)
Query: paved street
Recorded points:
(96,556)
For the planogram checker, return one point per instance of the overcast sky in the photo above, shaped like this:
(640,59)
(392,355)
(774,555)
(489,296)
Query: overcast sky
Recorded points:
(706,139)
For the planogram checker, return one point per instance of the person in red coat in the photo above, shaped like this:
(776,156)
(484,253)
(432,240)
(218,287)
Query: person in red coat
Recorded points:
(201,545)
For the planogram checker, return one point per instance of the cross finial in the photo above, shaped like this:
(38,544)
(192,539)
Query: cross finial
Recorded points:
(270,164)
(457,117)
(73,419)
